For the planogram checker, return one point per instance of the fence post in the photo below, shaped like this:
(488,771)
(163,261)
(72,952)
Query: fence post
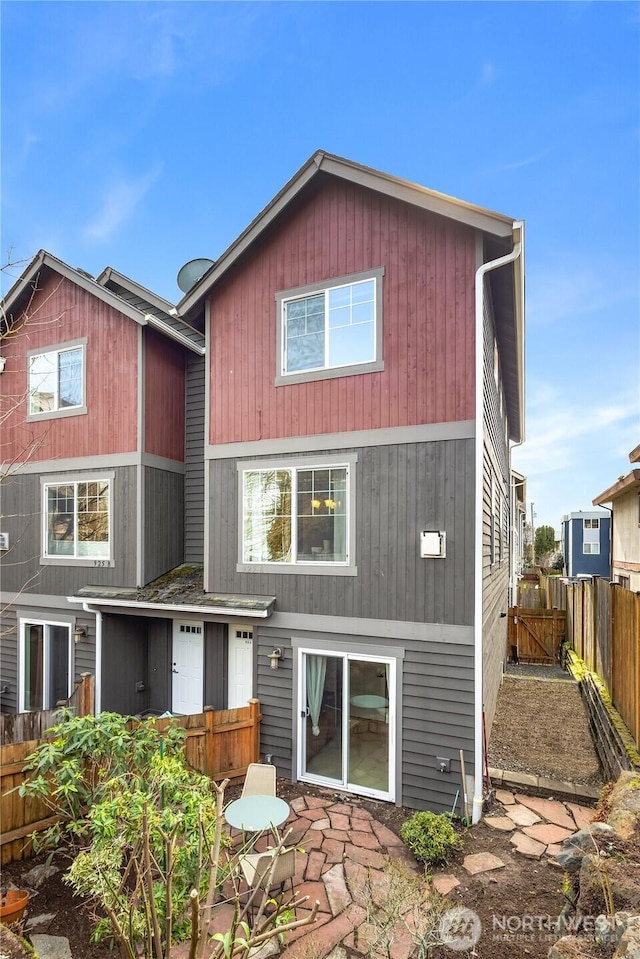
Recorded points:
(86,695)
(254,706)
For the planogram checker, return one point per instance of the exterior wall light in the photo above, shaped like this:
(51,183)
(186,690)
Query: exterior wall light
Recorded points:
(79,633)
(275,657)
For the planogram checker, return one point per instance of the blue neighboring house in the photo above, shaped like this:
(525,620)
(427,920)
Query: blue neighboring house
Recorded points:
(586,538)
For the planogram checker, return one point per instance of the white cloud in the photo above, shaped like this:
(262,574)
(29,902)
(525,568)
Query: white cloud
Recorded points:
(571,287)
(576,449)
(119,204)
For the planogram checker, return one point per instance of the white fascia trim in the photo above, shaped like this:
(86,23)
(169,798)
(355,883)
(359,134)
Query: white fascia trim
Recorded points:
(173,334)
(481,272)
(171,607)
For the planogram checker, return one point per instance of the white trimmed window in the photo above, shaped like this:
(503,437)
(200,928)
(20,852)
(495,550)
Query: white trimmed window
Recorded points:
(45,658)
(77,521)
(591,523)
(56,381)
(591,549)
(330,329)
(297,516)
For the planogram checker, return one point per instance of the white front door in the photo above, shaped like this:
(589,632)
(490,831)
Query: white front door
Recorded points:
(240,666)
(187,667)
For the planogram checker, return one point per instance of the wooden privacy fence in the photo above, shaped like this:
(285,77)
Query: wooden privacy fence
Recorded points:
(219,743)
(535,635)
(21,727)
(603,626)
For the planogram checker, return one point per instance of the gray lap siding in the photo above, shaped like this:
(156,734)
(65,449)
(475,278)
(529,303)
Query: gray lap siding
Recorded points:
(437,712)
(399,491)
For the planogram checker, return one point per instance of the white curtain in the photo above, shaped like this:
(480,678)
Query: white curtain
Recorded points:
(316,672)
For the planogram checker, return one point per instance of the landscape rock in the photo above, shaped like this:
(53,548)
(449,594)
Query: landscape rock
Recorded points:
(51,947)
(619,876)
(625,804)
(585,841)
(36,876)
(629,945)
(570,947)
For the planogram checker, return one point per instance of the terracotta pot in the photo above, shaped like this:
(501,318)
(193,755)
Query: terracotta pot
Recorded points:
(12,905)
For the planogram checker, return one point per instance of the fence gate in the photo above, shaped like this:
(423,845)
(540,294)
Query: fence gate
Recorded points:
(535,635)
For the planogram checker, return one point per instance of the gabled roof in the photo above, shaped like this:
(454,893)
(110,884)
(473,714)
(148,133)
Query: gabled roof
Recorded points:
(489,222)
(44,262)
(626,485)
(163,312)
(500,233)
(634,455)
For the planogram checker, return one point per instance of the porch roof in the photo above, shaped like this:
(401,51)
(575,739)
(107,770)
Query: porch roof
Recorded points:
(179,591)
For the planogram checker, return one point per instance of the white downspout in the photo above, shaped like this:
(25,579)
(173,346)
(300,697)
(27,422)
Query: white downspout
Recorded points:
(482,270)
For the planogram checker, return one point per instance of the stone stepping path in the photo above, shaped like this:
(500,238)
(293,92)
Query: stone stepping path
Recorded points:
(539,825)
(346,851)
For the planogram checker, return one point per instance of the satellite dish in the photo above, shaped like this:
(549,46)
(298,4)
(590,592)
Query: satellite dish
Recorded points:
(191,272)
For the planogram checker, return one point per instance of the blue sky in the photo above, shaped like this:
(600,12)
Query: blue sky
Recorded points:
(142,135)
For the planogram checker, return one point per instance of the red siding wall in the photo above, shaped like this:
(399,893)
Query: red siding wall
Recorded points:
(60,312)
(428,321)
(164,397)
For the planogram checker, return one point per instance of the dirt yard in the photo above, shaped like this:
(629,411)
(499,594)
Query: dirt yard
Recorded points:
(541,727)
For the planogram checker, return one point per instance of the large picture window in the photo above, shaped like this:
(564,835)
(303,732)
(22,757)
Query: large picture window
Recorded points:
(296,516)
(77,520)
(56,381)
(45,654)
(330,329)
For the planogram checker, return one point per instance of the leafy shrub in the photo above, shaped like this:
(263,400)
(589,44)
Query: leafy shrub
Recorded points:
(430,837)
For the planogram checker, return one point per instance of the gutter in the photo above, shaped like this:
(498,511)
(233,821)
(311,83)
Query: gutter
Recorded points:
(483,269)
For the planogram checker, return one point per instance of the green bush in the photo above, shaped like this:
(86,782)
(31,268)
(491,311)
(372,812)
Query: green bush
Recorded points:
(430,837)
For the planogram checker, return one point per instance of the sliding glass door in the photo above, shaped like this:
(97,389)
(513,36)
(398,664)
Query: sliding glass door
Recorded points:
(347,722)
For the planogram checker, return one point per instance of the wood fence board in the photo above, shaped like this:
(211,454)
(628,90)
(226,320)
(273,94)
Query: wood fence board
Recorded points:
(625,657)
(219,743)
(536,634)
(603,632)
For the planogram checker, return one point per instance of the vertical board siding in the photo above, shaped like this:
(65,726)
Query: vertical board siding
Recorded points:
(437,718)
(215,665)
(428,326)
(124,664)
(21,506)
(164,404)
(59,313)
(400,490)
(194,461)
(163,523)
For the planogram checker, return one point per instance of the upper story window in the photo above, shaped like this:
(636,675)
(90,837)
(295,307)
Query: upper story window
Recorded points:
(297,516)
(77,522)
(331,329)
(591,523)
(56,381)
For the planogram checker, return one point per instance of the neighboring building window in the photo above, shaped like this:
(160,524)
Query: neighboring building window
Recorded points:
(296,516)
(624,581)
(56,380)
(45,656)
(77,520)
(592,549)
(331,329)
(591,523)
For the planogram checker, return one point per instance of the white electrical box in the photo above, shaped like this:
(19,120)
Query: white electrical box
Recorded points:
(433,544)
(4,541)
